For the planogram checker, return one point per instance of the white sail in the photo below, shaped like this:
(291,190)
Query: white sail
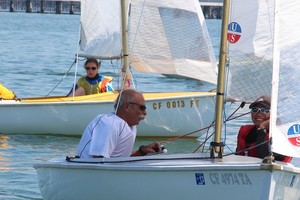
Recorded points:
(286,91)
(171,37)
(250,32)
(100,23)
(167,37)
(263,60)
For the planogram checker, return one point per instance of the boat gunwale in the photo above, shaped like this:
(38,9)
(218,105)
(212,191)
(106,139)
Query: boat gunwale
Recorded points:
(166,163)
(152,166)
(95,99)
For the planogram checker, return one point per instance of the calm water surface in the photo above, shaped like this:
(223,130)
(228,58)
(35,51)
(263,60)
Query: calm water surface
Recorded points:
(36,50)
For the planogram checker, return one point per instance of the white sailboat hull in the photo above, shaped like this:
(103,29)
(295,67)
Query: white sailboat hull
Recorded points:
(68,116)
(173,177)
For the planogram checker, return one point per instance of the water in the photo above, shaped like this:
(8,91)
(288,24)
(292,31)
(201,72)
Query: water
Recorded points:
(36,50)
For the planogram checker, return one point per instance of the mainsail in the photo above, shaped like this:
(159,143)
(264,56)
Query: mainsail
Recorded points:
(250,36)
(264,48)
(100,26)
(168,37)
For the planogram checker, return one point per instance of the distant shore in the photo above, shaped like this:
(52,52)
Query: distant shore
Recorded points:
(40,6)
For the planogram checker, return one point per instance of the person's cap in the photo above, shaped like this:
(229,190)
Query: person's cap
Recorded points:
(265,101)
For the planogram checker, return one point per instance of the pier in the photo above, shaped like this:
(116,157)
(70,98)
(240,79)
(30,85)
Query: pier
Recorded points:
(41,6)
(212,9)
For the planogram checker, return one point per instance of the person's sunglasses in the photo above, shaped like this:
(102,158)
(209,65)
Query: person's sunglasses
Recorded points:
(90,68)
(261,110)
(142,107)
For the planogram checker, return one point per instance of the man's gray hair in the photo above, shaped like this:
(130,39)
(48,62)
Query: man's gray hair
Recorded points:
(125,96)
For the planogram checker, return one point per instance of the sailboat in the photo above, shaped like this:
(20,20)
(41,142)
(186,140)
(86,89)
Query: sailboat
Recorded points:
(213,175)
(180,45)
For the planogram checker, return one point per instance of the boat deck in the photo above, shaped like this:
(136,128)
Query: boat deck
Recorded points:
(168,162)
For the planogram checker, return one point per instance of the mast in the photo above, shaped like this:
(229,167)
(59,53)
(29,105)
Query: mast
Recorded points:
(126,75)
(217,146)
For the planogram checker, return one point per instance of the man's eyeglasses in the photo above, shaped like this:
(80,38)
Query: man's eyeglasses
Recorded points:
(261,110)
(90,68)
(141,107)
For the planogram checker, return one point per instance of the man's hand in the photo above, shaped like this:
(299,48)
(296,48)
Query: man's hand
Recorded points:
(149,149)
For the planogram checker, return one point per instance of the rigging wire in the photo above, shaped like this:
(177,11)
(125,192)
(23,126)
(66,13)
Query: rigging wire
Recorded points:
(226,120)
(208,136)
(247,149)
(77,58)
(75,62)
(138,24)
(64,76)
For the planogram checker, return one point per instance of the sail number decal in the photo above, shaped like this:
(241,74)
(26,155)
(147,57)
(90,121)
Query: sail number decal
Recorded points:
(175,104)
(234,32)
(294,135)
(223,179)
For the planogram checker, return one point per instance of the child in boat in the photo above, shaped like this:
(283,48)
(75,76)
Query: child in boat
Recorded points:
(253,139)
(5,93)
(92,82)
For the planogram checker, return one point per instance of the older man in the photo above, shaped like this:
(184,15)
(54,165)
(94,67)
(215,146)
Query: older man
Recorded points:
(113,135)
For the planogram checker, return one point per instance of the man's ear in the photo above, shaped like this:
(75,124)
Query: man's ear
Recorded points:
(126,107)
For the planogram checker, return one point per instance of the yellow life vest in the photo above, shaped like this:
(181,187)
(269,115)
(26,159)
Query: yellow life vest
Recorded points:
(6,93)
(96,88)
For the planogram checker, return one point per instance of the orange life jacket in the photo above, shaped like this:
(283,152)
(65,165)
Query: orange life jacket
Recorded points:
(103,83)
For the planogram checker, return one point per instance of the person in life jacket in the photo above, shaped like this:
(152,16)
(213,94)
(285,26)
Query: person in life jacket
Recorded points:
(5,93)
(92,82)
(252,140)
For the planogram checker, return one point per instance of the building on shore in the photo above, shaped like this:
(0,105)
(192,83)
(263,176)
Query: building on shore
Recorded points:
(212,9)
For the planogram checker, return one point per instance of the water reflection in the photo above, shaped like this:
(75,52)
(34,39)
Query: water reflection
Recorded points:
(4,162)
